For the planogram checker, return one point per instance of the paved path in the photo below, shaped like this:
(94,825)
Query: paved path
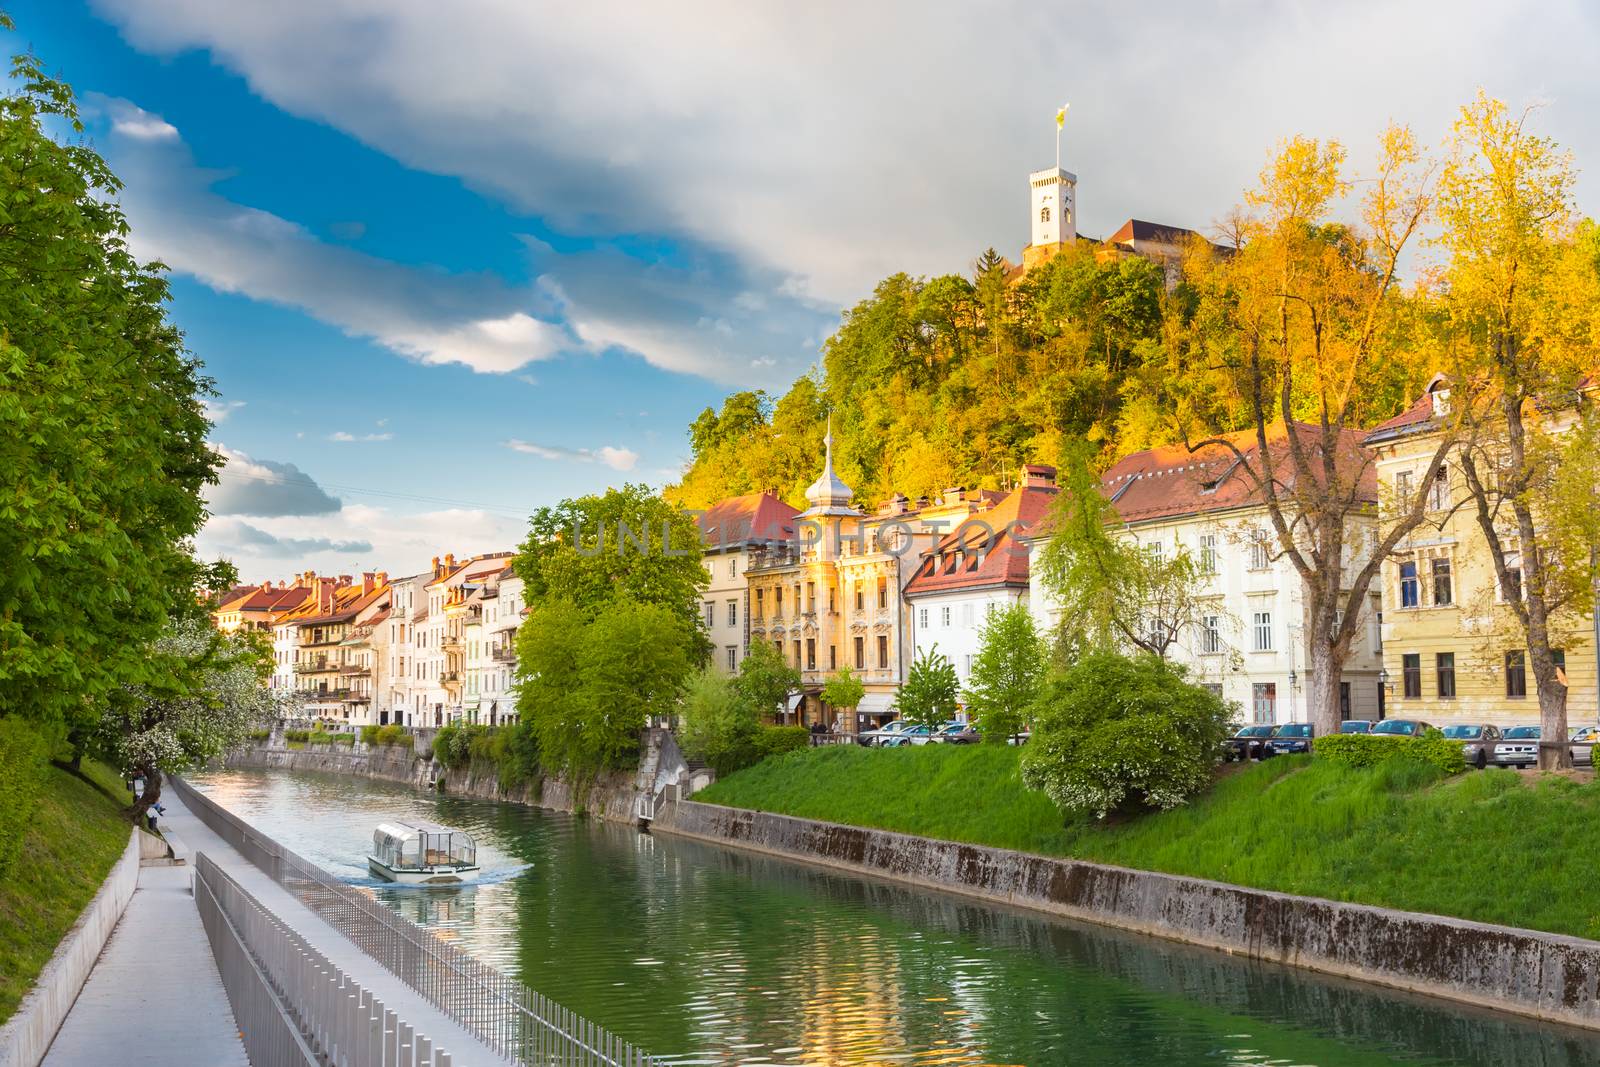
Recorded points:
(154,996)
(189,835)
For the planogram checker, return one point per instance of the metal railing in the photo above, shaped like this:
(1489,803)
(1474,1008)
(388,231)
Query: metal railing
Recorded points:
(520,1024)
(293,1007)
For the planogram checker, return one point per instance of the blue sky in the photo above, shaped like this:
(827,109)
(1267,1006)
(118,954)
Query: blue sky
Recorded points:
(446,270)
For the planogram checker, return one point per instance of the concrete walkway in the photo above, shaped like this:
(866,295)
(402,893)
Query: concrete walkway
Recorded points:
(189,835)
(154,997)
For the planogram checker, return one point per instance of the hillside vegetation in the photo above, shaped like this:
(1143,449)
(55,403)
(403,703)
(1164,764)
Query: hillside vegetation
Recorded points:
(1494,846)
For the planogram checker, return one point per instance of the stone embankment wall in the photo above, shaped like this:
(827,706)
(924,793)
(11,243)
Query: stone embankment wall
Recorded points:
(613,797)
(26,1036)
(1542,975)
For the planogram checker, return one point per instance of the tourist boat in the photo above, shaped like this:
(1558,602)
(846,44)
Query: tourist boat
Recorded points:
(422,853)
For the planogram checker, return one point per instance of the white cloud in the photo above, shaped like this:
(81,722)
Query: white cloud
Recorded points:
(618,459)
(219,410)
(265,488)
(130,120)
(345,436)
(834,158)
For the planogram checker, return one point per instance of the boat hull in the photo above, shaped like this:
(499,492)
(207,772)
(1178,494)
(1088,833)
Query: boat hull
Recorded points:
(442,874)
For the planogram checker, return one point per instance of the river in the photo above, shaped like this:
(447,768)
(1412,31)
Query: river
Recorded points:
(705,955)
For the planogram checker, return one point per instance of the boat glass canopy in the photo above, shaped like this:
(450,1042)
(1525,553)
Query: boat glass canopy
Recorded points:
(408,844)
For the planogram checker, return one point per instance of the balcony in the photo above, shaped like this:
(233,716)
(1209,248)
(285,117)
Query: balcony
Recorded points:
(327,642)
(356,672)
(506,654)
(451,643)
(773,558)
(321,666)
(358,698)
(449,677)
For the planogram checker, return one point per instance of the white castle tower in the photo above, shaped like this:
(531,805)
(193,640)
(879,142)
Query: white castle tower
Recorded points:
(1053,201)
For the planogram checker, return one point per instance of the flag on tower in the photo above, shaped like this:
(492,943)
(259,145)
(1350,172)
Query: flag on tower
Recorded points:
(1061,116)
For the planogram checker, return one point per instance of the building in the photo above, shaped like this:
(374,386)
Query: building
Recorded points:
(1453,650)
(322,626)
(400,699)
(978,567)
(730,531)
(254,608)
(1251,645)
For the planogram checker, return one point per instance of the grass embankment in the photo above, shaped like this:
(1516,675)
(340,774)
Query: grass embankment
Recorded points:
(1496,846)
(74,836)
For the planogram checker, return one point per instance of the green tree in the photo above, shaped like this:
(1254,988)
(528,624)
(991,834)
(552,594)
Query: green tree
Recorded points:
(1005,673)
(1110,591)
(843,692)
(721,723)
(104,454)
(202,695)
(928,695)
(549,680)
(766,679)
(1115,732)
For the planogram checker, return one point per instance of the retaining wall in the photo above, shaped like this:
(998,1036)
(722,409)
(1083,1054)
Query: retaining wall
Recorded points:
(1547,976)
(26,1036)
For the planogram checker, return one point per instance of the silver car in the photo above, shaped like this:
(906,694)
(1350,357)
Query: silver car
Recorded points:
(1583,755)
(1518,747)
(1477,741)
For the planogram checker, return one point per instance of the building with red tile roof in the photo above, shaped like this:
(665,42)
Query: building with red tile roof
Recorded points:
(730,530)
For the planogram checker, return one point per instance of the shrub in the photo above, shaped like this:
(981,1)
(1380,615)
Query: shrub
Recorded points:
(721,722)
(319,736)
(1367,750)
(297,735)
(23,753)
(1114,732)
(344,739)
(514,749)
(776,740)
(369,735)
(259,735)
(393,734)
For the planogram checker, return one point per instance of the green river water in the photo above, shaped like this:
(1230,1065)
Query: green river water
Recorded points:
(706,955)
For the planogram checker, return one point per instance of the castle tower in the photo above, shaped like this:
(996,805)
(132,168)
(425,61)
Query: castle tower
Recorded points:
(1053,208)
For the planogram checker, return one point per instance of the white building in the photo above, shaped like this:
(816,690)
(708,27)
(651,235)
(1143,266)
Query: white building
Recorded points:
(980,566)
(1251,645)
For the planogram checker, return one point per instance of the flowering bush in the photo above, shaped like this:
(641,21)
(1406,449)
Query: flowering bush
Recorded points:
(1114,732)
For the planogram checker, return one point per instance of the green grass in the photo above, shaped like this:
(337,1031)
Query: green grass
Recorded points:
(73,838)
(1496,846)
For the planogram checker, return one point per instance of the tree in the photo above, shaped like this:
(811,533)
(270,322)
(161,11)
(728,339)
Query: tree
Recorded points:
(720,723)
(104,452)
(1005,673)
(1521,300)
(1315,340)
(928,695)
(766,679)
(550,680)
(1111,592)
(844,692)
(204,692)
(1117,731)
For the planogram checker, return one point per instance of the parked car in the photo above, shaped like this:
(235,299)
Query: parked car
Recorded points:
(957,733)
(1583,755)
(1356,726)
(1290,737)
(884,733)
(911,735)
(1401,728)
(1518,747)
(1247,743)
(1477,741)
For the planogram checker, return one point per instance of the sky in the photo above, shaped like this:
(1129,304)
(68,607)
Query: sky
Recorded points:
(450,263)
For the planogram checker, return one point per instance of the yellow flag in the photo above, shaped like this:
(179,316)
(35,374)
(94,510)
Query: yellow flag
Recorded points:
(1061,116)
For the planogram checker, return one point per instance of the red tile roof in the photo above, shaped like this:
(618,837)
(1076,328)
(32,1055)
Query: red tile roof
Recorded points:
(986,549)
(741,519)
(1171,481)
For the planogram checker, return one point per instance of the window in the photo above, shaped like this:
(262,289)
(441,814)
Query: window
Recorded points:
(1402,487)
(1443,594)
(1411,675)
(733,568)
(1260,554)
(811,596)
(758,603)
(1156,551)
(1344,701)
(883,652)
(944,615)
(797,655)
(1155,632)
(1210,634)
(1262,632)
(833,657)
(777,602)
(883,593)
(1409,592)
(1439,491)
(711,614)
(861,602)
(733,613)
(1044,213)
(1208,554)
(861,655)
(966,666)
(922,618)
(830,600)
(1516,674)
(1264,701)
(966,615)
(1511,588)
(811,653)
(1444,668)
(1559,658)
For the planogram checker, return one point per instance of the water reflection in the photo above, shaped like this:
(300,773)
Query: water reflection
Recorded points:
(719,957)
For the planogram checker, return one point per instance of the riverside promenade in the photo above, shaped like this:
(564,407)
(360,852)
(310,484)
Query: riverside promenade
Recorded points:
(155,997)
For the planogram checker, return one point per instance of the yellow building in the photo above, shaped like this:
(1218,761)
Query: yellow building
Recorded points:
(1453,651)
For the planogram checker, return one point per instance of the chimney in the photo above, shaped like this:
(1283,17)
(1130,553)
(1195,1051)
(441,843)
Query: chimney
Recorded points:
(436,564)
(1037,475)
(952,495)
(449,561)
(368,583)
(383,577)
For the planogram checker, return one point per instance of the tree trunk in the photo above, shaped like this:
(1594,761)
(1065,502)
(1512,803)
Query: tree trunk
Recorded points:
(152,793)
(1322,687)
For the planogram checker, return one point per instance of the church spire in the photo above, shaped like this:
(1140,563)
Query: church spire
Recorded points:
(829,495)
